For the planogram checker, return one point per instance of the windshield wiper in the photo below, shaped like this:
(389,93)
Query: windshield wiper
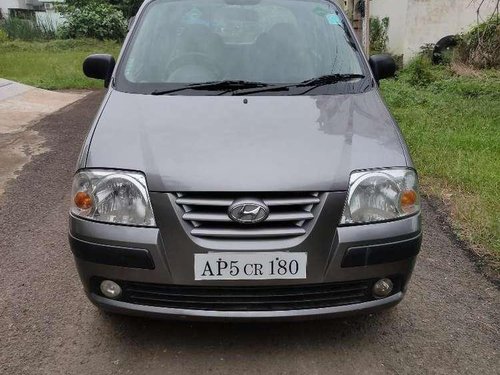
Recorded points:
(328,79)
(227,85)
(310,83)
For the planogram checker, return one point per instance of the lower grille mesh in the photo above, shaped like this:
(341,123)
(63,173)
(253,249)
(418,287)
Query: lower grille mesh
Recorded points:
(254,298)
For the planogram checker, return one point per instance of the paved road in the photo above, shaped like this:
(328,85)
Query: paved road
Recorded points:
(449,322)
(20,106)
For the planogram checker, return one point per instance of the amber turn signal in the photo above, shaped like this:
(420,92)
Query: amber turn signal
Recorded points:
(408,199)
(83,201)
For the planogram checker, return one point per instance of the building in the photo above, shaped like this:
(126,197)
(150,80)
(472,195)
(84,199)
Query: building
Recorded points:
(414,23)
(25,8)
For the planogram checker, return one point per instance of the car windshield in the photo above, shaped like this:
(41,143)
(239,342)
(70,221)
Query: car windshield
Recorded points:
(272,42)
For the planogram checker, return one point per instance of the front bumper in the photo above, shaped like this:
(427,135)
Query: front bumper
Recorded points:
(303,314)
(350,254)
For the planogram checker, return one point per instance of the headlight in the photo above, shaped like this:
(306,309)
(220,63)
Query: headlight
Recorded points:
(117,197)
(381,195)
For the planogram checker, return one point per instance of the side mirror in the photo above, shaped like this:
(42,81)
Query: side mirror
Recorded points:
(99,67)
(383,66)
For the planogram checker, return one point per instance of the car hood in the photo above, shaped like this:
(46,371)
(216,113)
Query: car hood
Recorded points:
(263,143)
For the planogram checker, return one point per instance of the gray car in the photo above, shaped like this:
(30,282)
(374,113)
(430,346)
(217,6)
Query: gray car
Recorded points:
(243,165)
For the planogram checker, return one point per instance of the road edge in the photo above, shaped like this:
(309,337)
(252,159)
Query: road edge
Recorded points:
(482,263)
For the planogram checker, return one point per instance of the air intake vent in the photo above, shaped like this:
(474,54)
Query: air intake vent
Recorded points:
(288,216)
(251,298)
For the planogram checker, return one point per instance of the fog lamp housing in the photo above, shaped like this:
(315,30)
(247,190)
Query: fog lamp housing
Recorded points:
(110,289)
(382,288)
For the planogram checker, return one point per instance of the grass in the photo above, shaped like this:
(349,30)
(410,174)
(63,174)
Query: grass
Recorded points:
(52,65)
(27,29)
(452,126)
(450,121)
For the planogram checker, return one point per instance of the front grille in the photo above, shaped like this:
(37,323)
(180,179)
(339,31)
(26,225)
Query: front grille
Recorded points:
(254,298)
(207,214)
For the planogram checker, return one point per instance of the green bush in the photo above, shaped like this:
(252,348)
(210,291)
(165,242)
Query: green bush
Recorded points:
(3,36)
(128,7)
(27,29)
(99,21)
(427,50)
(398,59)
(379,34)
(480,47)
(419,71)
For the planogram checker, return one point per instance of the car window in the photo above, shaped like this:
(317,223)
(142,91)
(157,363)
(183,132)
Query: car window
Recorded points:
(269,41)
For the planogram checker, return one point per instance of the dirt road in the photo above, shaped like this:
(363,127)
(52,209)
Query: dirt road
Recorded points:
(449,322)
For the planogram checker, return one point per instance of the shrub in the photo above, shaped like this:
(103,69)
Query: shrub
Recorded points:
(99,21)
(398,59)
(419,71)
(427,50)
(480,47)
(3,36)
(128,7)
(378,34)
(28,29)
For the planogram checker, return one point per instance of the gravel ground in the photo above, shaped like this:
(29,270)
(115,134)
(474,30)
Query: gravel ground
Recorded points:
(449,322)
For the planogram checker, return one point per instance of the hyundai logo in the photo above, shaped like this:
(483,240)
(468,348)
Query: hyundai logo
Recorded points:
(248,211)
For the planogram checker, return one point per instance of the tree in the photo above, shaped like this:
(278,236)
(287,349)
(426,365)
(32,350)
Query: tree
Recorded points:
(480,5)
(479,47)
(93,20)
(128,7)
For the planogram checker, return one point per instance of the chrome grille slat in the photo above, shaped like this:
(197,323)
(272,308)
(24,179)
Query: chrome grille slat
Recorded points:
(204,202)
(228,202)
(291,201)
(248,233)
(222,217)
(206,213)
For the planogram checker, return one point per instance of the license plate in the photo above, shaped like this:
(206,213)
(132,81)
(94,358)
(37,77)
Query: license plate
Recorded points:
(250,266)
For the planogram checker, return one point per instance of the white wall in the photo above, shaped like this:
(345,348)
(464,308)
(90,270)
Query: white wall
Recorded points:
(396,11)
(50,18)
(44,17)
(5,5)
(413,23)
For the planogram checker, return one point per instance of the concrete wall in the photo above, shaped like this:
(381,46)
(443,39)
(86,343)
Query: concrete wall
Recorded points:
(50,19)
(413,23)
(5,5)
(396,11)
